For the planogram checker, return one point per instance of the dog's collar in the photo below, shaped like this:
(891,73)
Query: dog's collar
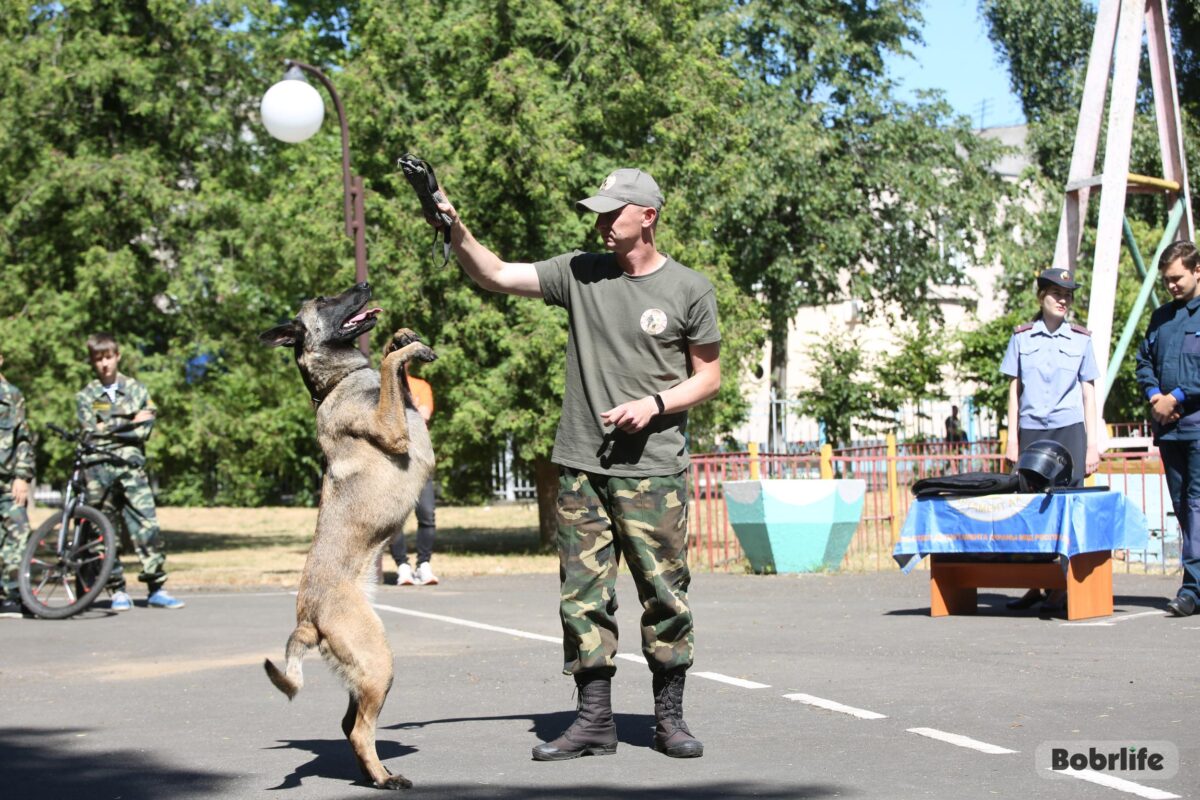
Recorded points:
(312,394)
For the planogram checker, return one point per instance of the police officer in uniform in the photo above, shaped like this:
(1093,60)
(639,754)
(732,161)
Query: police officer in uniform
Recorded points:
(1168,373)
(1052,391)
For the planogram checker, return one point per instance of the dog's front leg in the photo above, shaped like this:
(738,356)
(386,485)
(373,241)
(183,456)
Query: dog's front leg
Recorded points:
(390,428)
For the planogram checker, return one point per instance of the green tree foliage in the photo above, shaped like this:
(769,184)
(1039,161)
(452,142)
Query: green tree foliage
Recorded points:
(538,103)
(842,393)
(140,194)
(128,202)
(847,191)
(1046,44)
(914,373)
(977,359)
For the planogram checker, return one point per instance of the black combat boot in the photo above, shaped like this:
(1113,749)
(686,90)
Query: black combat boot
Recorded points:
(593,733)
(671,734)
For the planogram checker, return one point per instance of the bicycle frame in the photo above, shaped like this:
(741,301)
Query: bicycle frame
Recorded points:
(60,573)
(71,495)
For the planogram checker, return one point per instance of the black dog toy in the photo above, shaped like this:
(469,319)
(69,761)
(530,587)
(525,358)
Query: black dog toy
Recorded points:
(424,182)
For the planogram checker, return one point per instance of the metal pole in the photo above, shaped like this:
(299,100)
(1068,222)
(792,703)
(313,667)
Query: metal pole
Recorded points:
(352,189)
(1136,253)
(1140,304)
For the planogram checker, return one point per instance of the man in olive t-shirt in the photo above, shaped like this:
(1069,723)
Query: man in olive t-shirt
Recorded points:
(643,347)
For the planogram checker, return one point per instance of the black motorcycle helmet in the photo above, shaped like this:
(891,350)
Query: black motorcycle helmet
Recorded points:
(1044,465)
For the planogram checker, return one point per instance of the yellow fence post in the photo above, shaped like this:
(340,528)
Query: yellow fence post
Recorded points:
(893,488)
(826,461)
(1003,441)
(754,461)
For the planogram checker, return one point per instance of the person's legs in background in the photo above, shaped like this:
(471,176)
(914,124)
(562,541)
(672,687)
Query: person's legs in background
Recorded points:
(399,551)
(426,531)
(1181,463)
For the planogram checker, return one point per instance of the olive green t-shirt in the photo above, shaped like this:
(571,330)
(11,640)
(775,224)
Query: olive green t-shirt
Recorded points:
(628,338)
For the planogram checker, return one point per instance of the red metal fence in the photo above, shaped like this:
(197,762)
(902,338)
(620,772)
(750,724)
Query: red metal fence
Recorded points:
(714,546)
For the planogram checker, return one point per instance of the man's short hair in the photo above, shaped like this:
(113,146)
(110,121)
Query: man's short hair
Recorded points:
(101,344)
(1182,250)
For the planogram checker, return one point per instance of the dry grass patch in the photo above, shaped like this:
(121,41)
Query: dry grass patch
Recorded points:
(266,547)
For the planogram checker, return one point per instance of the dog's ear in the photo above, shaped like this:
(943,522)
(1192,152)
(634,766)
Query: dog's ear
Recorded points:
(285,335)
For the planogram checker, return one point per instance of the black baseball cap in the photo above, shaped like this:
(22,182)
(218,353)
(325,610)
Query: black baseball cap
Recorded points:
(1057,277)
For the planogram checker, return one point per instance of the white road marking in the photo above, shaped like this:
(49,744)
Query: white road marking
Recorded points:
(1120,784)
(830,705)
(808,699)
(204,595)
(718,677)
(961,741)
(637,657)
(1110,622)
(469,623)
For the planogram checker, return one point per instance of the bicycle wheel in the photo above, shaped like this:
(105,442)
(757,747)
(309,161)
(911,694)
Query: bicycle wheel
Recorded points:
(57,585)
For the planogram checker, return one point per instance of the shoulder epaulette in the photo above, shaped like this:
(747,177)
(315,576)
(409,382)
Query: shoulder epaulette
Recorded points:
(1022,328)
(1080,329)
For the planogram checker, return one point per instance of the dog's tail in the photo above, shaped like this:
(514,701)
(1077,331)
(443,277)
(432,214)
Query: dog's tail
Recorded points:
(303,639)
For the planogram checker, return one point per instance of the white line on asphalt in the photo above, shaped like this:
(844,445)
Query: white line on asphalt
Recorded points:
(1120,784)
(961,741)
(808,699)
(716,676)
(469,624)
(830,705)
(204,595)
(1113,621)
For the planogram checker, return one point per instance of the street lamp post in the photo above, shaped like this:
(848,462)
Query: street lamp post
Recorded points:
(293,111)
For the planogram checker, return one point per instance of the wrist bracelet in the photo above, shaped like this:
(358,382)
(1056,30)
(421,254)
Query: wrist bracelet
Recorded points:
(662,408)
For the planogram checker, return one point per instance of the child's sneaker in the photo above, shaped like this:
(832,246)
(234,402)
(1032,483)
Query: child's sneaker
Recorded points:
(10,608)
(404,575)
(160,599)
(425,576)
(121,601)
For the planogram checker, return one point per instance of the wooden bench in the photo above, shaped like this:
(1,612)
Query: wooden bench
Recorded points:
(954,584)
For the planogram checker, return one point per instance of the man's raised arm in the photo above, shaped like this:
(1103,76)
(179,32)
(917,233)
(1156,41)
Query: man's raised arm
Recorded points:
(484,266)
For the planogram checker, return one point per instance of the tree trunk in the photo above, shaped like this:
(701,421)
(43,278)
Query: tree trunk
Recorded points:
(546,479)
(779,357)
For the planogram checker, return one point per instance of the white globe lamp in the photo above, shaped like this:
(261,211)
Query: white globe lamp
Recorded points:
(292,110)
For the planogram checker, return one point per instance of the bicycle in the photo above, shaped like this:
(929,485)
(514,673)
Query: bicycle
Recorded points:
(69,558)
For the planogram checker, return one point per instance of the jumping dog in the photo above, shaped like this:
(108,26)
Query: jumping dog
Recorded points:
(378,456)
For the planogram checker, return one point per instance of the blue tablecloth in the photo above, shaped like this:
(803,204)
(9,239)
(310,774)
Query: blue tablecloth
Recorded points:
(1066,524)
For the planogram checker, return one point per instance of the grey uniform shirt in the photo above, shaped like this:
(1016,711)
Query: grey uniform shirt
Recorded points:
(1051,367)
(628,338)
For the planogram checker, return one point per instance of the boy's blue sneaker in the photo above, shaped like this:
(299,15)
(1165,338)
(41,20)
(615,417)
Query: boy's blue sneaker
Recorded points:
(121,602)
(160,599)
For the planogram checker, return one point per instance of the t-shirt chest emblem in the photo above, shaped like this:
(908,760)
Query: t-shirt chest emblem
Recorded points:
(654,321)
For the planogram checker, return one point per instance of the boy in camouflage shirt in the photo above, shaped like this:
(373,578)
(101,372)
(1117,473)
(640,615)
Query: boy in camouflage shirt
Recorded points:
(16,473)
(117,414)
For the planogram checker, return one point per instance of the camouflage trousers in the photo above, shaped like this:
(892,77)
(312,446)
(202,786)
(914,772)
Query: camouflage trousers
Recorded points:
(600,519)
(14,530)
(125,497)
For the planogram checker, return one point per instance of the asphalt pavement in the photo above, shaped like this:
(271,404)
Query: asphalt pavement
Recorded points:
(804,687)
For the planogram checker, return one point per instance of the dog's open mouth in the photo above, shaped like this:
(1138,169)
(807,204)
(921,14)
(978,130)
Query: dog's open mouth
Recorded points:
(361,318)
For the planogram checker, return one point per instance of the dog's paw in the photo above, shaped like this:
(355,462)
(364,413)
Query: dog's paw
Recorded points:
(424,353)
(395,782)
(401,338)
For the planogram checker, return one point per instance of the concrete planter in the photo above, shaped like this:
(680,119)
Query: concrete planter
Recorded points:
(795,525)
